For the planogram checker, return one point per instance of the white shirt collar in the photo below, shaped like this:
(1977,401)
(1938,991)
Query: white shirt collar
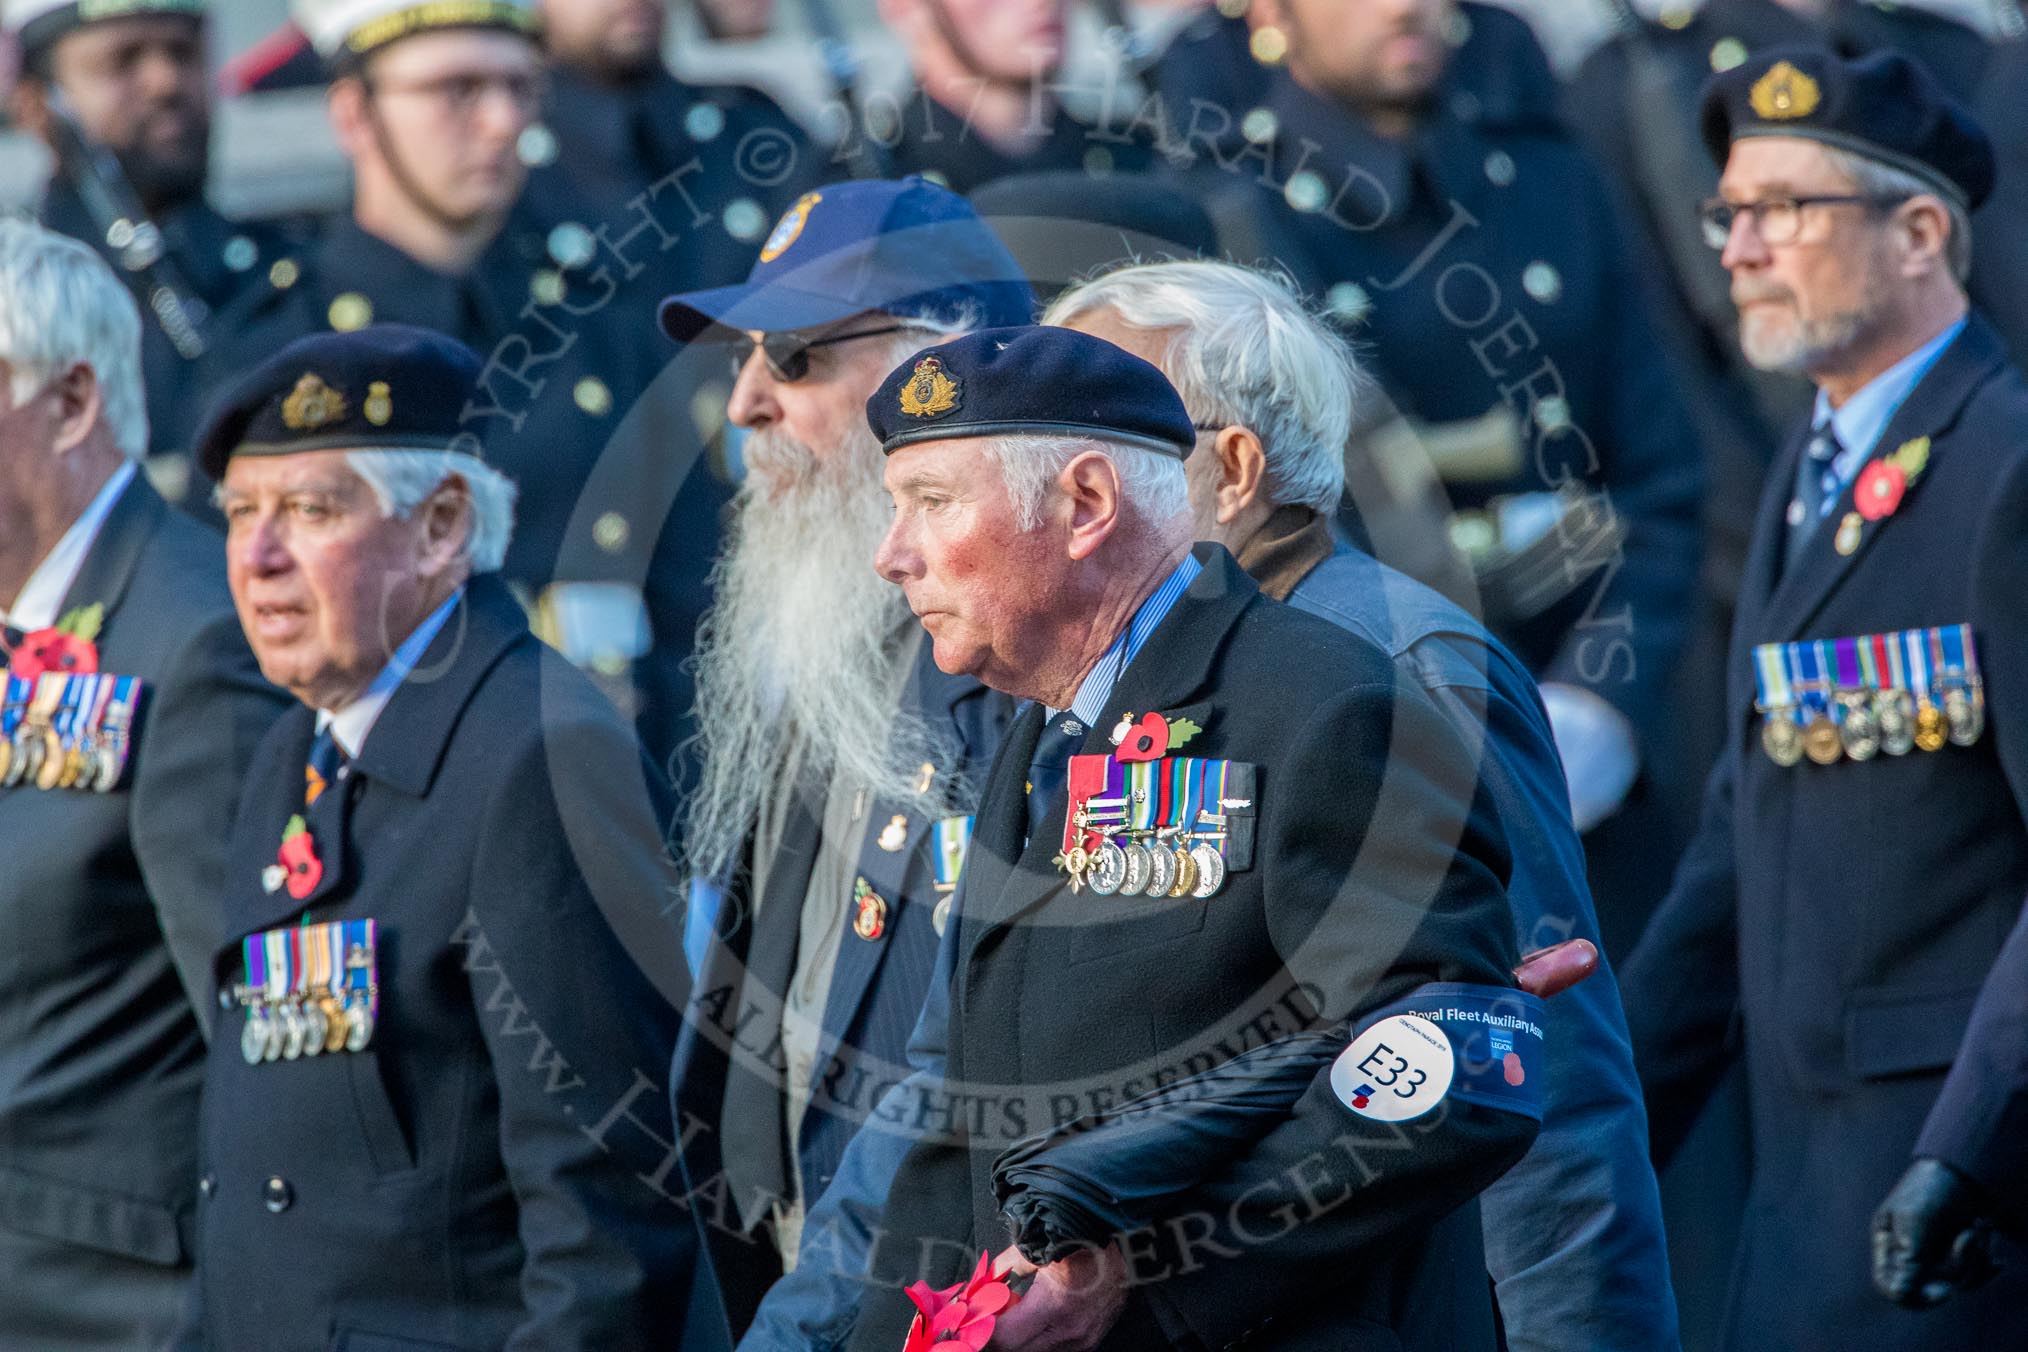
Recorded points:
(350,724)
(41,598)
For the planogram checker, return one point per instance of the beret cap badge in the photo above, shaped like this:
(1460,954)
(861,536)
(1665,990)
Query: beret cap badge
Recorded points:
(929,391)
(1784,94)
(379,403)
(312,404)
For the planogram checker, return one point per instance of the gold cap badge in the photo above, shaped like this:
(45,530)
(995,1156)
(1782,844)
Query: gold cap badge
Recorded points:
(929,391)
(1784,94)
(311,405)
(379,403)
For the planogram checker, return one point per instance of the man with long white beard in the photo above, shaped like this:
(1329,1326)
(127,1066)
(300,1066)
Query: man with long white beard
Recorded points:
(835,762)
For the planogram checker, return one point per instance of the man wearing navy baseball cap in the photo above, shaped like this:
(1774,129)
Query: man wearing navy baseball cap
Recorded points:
(828,810)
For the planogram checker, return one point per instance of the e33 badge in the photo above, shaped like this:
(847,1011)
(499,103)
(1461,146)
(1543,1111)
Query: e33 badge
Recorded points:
(1398,1069)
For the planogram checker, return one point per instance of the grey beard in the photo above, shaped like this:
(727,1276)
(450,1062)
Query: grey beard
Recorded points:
(797,671)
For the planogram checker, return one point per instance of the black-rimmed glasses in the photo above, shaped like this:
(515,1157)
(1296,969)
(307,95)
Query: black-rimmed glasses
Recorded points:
(1777,220)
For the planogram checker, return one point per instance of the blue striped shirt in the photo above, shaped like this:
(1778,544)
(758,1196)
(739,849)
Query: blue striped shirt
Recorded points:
(1096,690)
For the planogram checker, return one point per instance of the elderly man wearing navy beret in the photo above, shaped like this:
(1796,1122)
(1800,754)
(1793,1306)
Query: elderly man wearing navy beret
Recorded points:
(1217,828)
(433,1112)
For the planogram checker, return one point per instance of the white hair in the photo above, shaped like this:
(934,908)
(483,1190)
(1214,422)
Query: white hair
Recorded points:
(401,479)
(1152,483)
(1876,178)
(61,306)
(1243,348)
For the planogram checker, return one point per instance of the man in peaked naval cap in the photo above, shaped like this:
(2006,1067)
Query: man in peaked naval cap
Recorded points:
(1042,535)
(448,984)
(430,103)
(838,766)
(128,78)
(121,646)
(1849,917)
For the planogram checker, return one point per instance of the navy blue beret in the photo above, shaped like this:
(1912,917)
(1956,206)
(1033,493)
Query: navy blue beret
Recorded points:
(385,385)
(1881,105)
(1035,381)
(874,244)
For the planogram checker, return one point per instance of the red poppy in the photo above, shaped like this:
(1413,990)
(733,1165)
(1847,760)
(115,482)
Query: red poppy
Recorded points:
(55,650)
(299,856)
(1879,489)
(958,1317)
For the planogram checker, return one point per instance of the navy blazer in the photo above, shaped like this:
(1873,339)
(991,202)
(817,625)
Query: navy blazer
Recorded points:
(1843,926)
(493,1170)
(1071,1002)
(108,915)
(876,994)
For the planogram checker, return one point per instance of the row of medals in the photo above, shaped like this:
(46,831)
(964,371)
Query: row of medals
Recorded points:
(1157,864)
(36,754)
(306,1026)
(1885,720)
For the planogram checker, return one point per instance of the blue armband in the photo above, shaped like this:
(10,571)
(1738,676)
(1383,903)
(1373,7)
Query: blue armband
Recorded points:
(1481,1044)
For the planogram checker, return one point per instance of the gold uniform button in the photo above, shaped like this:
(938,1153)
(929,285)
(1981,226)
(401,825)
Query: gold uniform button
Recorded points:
(593,397)
(349,312)
(610,532)
(284,273)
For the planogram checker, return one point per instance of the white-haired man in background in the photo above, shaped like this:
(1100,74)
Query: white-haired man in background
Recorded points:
(131,707)
(445,903)
(1573,1233)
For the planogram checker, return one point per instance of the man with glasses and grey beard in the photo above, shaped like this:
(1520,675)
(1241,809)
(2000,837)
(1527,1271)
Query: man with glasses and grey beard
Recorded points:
(835,763)
(1848,921)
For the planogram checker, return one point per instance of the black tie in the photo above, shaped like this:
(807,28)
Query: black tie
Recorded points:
(1049,768)
(1815,479)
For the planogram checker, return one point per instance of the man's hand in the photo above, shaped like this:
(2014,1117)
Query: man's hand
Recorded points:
(1069,1307)
(1929,1240)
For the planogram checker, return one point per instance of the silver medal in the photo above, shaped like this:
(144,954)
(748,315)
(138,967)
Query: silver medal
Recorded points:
(1210,870)
(253,1038)
(1161,871)
(1109,871)
(361,1031)
(316,1027)
(1894,716)
(1138,868)
(1858,730)
(292,1032)
(1964,715)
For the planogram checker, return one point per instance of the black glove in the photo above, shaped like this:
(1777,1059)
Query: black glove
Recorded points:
(1930,1240)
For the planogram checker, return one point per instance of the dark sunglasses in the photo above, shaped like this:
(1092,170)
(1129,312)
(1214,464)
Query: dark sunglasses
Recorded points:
(788,354)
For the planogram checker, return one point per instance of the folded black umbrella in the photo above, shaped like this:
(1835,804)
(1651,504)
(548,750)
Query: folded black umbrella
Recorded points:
(1081,1184)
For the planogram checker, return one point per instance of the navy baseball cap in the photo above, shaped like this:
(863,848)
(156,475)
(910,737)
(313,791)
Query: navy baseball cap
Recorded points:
(386,385)
(1035,380)
(869,244)
(1881,105)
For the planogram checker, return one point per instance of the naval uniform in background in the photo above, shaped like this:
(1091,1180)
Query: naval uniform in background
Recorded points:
(109,912)
(1480,262)
(222,259)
